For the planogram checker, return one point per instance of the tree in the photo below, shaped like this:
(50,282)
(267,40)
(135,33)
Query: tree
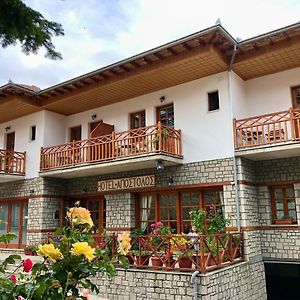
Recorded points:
(20,23)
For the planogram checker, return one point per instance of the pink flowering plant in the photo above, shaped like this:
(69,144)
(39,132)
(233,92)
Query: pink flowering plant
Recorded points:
(66,263)
(158,229)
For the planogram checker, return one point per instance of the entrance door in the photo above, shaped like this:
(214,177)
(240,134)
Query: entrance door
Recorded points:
(296,106)
(15,216)
(9,156)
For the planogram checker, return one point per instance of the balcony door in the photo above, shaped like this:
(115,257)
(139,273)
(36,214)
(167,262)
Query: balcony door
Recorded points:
(9,156)
(296,106)
(15,216)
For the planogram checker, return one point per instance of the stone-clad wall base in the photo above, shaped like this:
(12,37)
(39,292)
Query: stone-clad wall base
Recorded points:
(137,284)
(244,281)
(281,244)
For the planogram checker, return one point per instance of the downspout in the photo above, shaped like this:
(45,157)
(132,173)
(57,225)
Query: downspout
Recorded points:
(195,285)
(235,179)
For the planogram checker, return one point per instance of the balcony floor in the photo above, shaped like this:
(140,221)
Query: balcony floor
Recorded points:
(147,161)
(4,177)
(274,151)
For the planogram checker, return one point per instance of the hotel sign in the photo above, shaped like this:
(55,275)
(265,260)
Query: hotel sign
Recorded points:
(126,183)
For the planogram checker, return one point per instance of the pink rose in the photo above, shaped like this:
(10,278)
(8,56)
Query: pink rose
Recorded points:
(13,278)
(27,265)
(155,231)
(159,223)
(152,225)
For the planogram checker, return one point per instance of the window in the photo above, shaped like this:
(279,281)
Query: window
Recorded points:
(32,133)
(165,115)
(283,204)
(213,101)
(75,133)
(137,119)
(172,208)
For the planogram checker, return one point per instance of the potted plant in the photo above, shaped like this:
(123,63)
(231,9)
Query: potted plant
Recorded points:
(157,137)
(198,220)
(184,258)
(142,257)
(158,232)
(30,250)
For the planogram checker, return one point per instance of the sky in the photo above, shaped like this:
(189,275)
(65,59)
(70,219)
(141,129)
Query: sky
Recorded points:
(101,32)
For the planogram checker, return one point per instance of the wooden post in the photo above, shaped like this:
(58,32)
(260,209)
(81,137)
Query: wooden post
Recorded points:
(113,146)
(159,136)
(292,123)
(234,134)
(201,249)
(73,152)
(24,164)
(179,143)
(42,158)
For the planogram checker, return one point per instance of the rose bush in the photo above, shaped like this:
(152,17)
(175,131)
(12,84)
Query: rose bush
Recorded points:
(68,261)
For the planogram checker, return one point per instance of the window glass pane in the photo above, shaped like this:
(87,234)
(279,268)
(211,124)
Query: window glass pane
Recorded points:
(173,213)
(24,223)
(3,217)
(292,214)
(195,199)
(279,205)
(280,214)
(185,199)
(291,204)
(278,194)
(15,217)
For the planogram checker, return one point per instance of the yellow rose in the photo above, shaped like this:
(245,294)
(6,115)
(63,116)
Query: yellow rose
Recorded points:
(80,215)
(124,243)
(83,248)
(49,251)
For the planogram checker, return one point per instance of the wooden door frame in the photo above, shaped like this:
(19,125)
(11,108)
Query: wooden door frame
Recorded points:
(294,102)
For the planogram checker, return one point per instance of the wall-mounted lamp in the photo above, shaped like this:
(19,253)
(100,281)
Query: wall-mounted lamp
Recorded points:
(94,117)
(56,215)
(162,99)
(31,192)
(159,165)
(171,180)
(7,128)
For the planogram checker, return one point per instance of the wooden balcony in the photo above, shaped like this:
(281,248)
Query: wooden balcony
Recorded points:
(12,165)
(141,142)
(279,128)
(180,252)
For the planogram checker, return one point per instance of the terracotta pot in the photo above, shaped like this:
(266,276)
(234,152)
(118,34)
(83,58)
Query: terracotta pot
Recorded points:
(28,252)
(142,260)
(170,263)
(185,262)
(130,259)
(156,261)
(284,222)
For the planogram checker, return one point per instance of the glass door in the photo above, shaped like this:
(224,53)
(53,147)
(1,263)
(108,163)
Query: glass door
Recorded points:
(3,218)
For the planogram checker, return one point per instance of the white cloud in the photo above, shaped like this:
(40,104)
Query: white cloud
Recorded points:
(98,33)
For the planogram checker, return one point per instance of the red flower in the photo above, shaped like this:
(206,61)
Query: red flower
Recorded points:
(13,278)
(27,265)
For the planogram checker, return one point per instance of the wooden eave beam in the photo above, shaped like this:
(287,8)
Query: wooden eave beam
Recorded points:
(277,46)
(30,101)
(186,46)
(147,60)
(220,55)
(172,51)
(159,56)
(135,64)
(147,68)
(124,68)
(115,73)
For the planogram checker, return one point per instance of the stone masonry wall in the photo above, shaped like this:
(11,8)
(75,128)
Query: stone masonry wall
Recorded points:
(243,281)
(120,211)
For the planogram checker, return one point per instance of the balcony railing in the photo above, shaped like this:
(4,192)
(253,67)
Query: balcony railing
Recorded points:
(179,252)
(145,140)
(278,127)
(12,162)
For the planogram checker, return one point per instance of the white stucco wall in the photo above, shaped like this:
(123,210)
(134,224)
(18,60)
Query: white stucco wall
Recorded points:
(271,93)
(206,135)
(21,127)
(238,96)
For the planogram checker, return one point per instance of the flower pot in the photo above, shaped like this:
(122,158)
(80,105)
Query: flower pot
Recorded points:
(142,260)
(185,262)
(170,263)
(28,252)
(156,261)
(130,259)
(284,222)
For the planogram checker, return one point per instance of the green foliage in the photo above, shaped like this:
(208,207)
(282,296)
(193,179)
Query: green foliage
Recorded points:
(20,23)
(63,270)
(184,254)
(198,217)
(217,223)
(6,238)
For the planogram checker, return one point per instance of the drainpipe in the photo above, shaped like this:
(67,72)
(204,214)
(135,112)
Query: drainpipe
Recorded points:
(195,285)
(235,180)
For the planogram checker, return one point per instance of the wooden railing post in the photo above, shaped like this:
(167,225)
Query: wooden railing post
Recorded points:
(42,159)
(159,136)
(292,123)
(179,142)
(73,152)
(201,249)
(234,133)
(113,146)
(24,164)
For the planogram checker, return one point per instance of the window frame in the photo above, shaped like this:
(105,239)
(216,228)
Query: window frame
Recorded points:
(32,129)
(284,202)
(140,113)
(158,115)
(178,204)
